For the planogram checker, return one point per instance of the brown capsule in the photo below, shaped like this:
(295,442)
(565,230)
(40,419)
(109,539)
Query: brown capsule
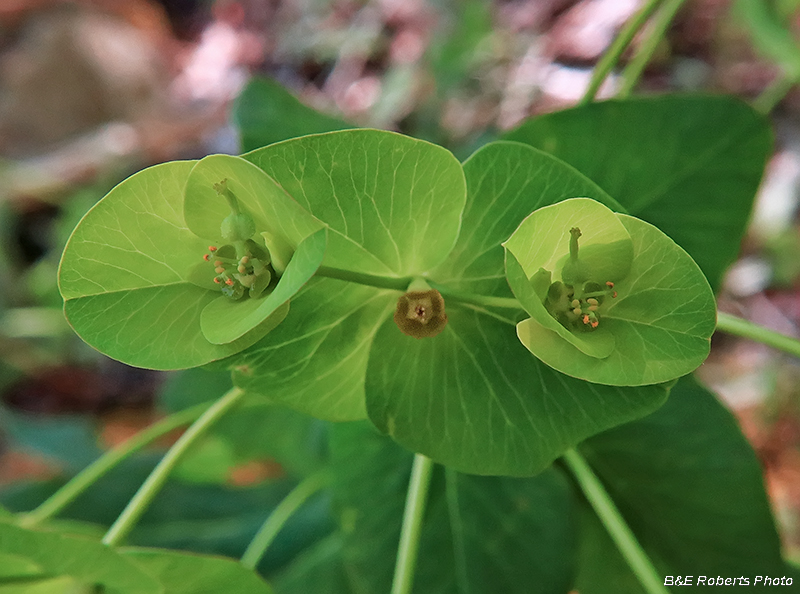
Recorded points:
(421,313)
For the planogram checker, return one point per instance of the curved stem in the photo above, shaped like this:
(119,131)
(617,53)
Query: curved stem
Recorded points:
(112,458)
(144,496)
(656,30)
(371,280)
(612,55)
(410,533)
(484,300)
(747,329)
(279,516)
(609,515)
(775,91)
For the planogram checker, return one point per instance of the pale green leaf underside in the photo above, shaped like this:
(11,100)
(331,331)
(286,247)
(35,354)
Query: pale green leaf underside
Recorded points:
(393,203)
(662,319)
(224,320)
(506,181)
(87,561)
(187,573)
(543,237)
(133,238)
(271,208)
(155,328)
(478,401)
(315,361)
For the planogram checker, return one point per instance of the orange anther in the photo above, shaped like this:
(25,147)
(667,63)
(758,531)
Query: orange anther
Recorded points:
(595,324)
(212,248)
(614,294)
(206,257)
(585,319)
(229,282)
(609,284)
(216,280)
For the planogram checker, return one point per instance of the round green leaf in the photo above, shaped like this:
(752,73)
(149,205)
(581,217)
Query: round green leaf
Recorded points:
(84,560)
(186,573)
(125,276)
(478,401)
(661,320)
(393,203)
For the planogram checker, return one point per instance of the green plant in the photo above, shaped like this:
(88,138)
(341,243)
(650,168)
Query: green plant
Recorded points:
(518,328)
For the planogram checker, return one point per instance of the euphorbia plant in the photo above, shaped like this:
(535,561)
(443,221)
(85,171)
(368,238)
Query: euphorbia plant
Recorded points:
(521,313)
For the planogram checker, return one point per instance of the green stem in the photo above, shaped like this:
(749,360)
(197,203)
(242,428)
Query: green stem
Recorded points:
(112,458)
(618,46)
(483,300)
(741,327)
(412,525)
(614,523)
(655,33)
(775,91)
(371,280)
(144,496)
(279,516)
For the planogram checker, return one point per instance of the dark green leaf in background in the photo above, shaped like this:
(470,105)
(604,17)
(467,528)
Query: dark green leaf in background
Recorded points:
(481,534)
(689,165)
(690,487)
(266,112)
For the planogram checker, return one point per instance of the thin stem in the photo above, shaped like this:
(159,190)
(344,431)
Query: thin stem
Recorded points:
(371,280)
(410,533)
(614,523)
(144,496)
(484,300)
(775,91)
(655,33)
(618,46)
(279,516)
(112,458)
(741,327)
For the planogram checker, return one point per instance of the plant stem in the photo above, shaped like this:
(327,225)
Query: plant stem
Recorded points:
(614,523)
(484,300)
(144,496)
(655,33)
(775,91)
(371,280)
(412,525)
(612,55)
(747,329)
(89,475)
(279,516)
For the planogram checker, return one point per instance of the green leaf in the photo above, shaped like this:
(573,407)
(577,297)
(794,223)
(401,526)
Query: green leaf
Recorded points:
(124,276)
(316,360)
(84,560)
(266,112)
(59,585)
(478,401)
(184,573)
(772,35)
(689,165)
(257,194)
(319,569)
(393,203)
(16,566)
(480,534)
(691,488)
(223,321)
(506,181)
(662,319)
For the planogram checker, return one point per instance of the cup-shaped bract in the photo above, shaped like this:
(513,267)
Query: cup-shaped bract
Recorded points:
(612,299)
(143,274)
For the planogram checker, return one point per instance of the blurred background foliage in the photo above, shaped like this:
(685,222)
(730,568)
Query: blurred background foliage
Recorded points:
(93,90)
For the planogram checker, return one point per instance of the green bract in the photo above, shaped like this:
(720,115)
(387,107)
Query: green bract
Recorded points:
(138,273)
(612,300)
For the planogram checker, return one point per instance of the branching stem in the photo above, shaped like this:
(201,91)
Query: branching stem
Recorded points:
(144,496)
(112,458)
